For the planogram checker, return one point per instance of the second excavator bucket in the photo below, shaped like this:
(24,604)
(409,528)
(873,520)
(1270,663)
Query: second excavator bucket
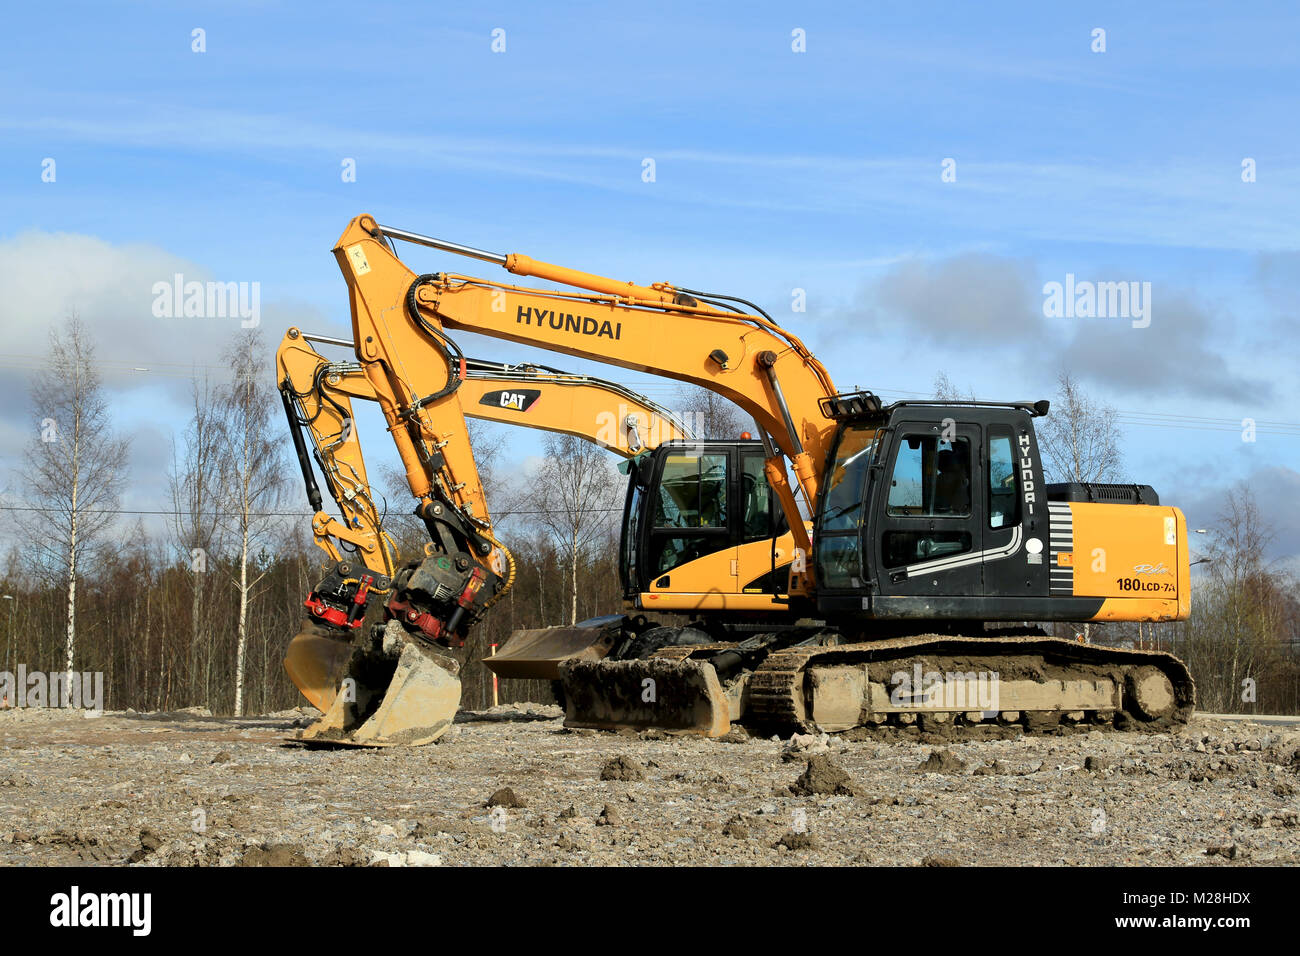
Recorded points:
(676,696)
(316,662)
(400,692)
(536,653)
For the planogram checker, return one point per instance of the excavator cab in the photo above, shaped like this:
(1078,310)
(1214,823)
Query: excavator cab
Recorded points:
(702,530)
(941,512)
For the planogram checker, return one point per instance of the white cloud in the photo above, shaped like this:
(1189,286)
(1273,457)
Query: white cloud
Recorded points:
(48,275)
(45,276)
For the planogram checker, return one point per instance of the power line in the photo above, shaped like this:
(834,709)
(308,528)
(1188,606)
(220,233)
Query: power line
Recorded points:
(504,513)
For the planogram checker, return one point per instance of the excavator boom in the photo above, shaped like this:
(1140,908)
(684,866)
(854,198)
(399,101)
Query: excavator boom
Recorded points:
(679,334)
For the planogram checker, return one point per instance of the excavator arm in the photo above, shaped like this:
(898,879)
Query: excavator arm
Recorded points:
(606,413)
(317,401)
(661,329)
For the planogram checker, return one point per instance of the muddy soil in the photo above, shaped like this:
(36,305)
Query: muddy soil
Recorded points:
(191,789)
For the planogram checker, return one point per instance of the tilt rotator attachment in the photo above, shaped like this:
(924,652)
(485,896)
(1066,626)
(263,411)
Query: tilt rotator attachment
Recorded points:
(392,682)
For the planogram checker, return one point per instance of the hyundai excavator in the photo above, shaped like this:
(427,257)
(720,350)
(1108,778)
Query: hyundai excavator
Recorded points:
(921,537)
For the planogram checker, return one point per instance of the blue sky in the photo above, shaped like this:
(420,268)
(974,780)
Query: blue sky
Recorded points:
(775,170)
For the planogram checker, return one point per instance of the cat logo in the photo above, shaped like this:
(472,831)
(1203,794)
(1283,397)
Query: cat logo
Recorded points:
(519,400)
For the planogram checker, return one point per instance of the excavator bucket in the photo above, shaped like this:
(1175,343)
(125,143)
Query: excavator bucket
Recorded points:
(536,653)
(676,696)
(316,663)
(401,692)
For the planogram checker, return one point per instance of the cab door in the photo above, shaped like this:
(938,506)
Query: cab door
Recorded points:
(691,534)
(927,534)
(1013,560)
(764,549)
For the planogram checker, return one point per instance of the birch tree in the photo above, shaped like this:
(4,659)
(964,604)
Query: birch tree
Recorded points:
(710,415)
(1239,610)
(1079,438)
(74,471)
(251,478)
(193,484)
(575,497)
(946,391)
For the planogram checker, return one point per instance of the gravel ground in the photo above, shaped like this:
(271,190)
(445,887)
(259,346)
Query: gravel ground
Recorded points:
(512,787)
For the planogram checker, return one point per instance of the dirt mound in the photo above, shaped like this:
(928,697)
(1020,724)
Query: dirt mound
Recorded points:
(941,761)
(822,776)
(506,797)
(345,856)
(275,854)
(797,841)
(622,768)
(737,827)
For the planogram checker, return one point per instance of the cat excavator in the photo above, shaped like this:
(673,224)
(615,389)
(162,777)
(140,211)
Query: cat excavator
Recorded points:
(896,580)
(318,395)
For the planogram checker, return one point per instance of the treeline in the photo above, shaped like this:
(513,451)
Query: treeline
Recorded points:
(134,623)
(1242,640)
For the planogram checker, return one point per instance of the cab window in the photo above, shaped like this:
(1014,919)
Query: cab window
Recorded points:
(761,515)
(931,478)
(631,525)
(1003,500)
(693,492)
(837,544)
(843,510)
(690,514)
(914,547)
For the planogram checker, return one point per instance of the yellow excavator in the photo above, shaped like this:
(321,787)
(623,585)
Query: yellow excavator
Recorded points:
(894,582)
(318,396)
